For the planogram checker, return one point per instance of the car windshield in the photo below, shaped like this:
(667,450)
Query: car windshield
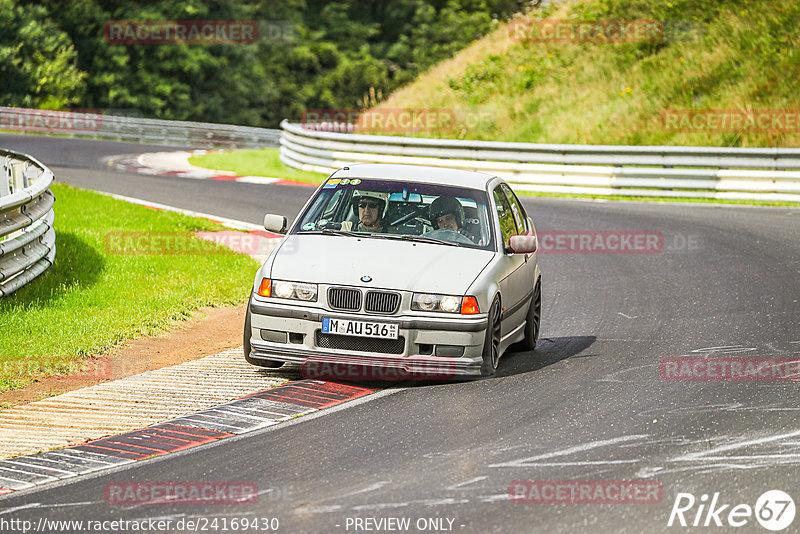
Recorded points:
(391,209)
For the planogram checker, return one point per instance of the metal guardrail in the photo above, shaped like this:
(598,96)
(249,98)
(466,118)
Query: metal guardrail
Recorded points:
(27,238)
(745,173)
(138,129)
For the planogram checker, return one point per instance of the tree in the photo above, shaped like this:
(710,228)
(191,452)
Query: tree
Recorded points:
(37,61)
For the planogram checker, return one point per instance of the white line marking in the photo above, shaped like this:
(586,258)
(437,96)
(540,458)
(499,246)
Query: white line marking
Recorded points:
(494,498)
(587,463)
(17,508)
(526,462)
(320,509)
(726,349)
(709,454)
(628,316)
(34,476)
(372,487)
(89,456)
(424,502)
(219,412)
(261,180)
(611,377)
(231,223)
(14,461)
(468,482)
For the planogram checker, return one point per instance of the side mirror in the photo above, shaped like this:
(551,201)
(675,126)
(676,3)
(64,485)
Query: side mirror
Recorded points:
(522,244)
(275,223)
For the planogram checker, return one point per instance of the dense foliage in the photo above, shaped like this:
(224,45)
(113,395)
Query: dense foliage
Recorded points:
(337,54)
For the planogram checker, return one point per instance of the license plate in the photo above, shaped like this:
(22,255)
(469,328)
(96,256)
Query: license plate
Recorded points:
(346,327)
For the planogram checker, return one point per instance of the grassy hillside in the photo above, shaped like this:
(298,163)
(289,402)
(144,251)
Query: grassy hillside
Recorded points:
(724,55)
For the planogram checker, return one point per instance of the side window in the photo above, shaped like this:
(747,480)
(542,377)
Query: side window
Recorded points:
(330,208)
(508,226)
(516,207)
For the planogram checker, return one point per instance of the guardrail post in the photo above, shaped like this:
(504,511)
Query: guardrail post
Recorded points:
(18,181)
(5,181)
(27,238)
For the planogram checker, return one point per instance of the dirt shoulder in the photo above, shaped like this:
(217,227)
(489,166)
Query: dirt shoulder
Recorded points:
(209,331)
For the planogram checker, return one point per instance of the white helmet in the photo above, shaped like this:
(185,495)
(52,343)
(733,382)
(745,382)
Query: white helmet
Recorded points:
(381,197)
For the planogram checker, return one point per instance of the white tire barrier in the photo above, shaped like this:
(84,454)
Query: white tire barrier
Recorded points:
(27,238)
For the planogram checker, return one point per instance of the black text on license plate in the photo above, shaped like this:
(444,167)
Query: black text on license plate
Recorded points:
(346,327)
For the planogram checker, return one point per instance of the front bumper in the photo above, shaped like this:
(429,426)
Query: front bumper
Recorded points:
(422,338)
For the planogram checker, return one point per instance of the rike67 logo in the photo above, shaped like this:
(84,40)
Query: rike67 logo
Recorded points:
(774,510)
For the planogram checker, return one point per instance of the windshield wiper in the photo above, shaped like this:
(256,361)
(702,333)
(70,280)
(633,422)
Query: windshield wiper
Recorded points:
(329,231)
(418,238)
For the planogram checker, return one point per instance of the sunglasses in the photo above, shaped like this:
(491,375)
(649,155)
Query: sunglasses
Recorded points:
(367,205)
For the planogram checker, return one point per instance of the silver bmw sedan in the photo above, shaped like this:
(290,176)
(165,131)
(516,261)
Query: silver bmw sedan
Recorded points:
(398,272)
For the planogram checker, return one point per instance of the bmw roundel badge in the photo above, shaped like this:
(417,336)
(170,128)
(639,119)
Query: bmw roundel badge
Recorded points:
(366,278)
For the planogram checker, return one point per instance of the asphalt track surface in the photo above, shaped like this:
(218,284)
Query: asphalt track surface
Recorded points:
(589,404)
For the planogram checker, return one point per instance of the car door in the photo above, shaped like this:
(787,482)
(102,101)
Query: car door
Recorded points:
(528,272)
(511,266)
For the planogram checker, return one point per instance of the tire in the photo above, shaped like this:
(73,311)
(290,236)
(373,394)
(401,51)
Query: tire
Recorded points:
(491,344)
(272,364)
(533,321)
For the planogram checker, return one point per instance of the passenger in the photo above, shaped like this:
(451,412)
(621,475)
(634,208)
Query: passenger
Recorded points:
(447,213)
(371,208)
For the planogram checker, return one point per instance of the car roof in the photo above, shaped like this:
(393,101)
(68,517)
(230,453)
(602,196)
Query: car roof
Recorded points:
(416,173)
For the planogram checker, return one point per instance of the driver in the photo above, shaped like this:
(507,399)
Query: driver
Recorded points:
(371,208)
(447,213)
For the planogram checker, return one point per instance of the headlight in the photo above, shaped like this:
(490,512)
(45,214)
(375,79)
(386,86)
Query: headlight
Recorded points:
(444,303)
(425,302)
(450,304)
(306,291)
(284,289)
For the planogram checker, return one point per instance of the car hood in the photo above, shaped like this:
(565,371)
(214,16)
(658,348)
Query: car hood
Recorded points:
(392,264)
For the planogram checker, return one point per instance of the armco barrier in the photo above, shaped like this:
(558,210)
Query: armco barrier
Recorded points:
(125,128)
(27,238)
(728,173)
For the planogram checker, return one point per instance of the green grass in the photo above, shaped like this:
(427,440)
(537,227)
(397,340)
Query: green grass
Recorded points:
(92,299)
(263,162)
(729,55)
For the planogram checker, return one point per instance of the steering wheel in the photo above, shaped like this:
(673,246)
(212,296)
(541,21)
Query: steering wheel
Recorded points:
(448,234)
